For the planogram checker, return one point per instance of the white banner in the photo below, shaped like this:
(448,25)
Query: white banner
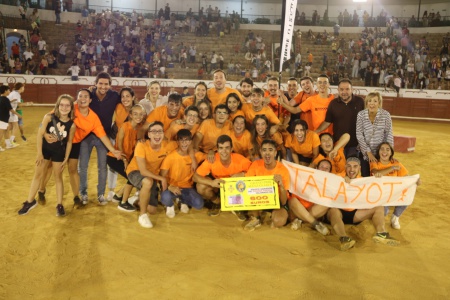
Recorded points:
(332,191)
(286,43)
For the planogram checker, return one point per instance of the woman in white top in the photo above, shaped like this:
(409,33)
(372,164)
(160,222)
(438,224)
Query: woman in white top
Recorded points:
(373,127)
(153,99)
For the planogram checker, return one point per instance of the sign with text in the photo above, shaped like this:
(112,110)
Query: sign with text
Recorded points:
(249,193)
(332,191)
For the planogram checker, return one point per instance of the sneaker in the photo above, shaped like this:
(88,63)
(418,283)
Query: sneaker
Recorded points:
(385,238)
(296,224)
(116,199)
(24,138)
(27,206)
(395,223)
(214,211)
(252,224)
(133,199)
(110,195)
(346,243)
(2,149)
(84,199)
(60,212)
(170,211)
(126,207)
(322,229)
(101,200)
(239,214)
(77,201)
(184,208)
(41,198)
(12,145)
(144,221)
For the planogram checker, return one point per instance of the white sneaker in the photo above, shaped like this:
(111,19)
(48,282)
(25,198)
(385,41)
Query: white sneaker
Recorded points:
(184,208)
(101,200)
(395,223)
(11,146)
(1,149)
(110,196)
(170,211)
(144,221)
(322,229)
(296,224)
(84,199)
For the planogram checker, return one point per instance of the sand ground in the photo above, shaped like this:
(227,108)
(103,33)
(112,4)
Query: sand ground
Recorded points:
(103,253)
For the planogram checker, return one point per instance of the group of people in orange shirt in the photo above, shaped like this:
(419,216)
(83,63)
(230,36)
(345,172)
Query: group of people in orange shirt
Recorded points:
(179,150)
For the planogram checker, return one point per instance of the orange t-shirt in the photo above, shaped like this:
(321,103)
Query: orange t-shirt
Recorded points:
(129,140)
(258,169)
(218,170)
(187,101)
(217,98)
(250,114)
(210,134)
(242,144)
(171,133)
(305,149)
(160,114)
(380,166)
(305,115)
(337,164)
(318,107)
(153,158)
(121,114)
(277,138)
(179,167)
(86,125)
(305,203)
(273,104)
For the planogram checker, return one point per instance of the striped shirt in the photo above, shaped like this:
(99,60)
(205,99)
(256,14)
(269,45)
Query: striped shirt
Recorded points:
(369,134)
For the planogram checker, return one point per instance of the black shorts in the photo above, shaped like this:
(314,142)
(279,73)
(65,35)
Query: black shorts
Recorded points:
(53,154)
(348,217)
(304,159)
(75,152)
(116,165)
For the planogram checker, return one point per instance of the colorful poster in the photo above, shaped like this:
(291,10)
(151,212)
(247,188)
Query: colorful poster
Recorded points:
(249,193)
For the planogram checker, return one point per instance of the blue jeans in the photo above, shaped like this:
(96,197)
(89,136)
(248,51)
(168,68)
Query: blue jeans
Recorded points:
(188,196)
(398,210)
(86,146)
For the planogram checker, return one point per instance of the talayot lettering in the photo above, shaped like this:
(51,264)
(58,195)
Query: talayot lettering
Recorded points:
(331,190)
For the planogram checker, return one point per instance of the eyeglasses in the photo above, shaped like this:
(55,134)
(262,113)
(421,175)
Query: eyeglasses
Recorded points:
(156,131)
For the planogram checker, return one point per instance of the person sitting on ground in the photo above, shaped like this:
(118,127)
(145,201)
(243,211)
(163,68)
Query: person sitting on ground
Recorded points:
(387,165)
(338,217)
(306,211)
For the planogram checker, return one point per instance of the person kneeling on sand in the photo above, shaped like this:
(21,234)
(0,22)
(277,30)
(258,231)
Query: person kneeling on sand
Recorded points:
(267,166)
(177,168)
(225,164)
(338,217)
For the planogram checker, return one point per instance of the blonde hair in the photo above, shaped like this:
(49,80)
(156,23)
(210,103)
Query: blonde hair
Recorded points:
(58,102)
(147,95)
(373,95)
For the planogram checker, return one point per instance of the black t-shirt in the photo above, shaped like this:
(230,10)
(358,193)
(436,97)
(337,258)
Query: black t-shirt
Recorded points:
(5,107)
(343,116)
(64,131)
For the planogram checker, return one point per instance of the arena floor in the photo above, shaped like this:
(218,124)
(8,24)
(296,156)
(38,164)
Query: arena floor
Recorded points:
(103,253)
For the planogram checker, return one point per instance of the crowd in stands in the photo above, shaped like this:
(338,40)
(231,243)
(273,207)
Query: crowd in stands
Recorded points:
(383,58)
(123,46)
